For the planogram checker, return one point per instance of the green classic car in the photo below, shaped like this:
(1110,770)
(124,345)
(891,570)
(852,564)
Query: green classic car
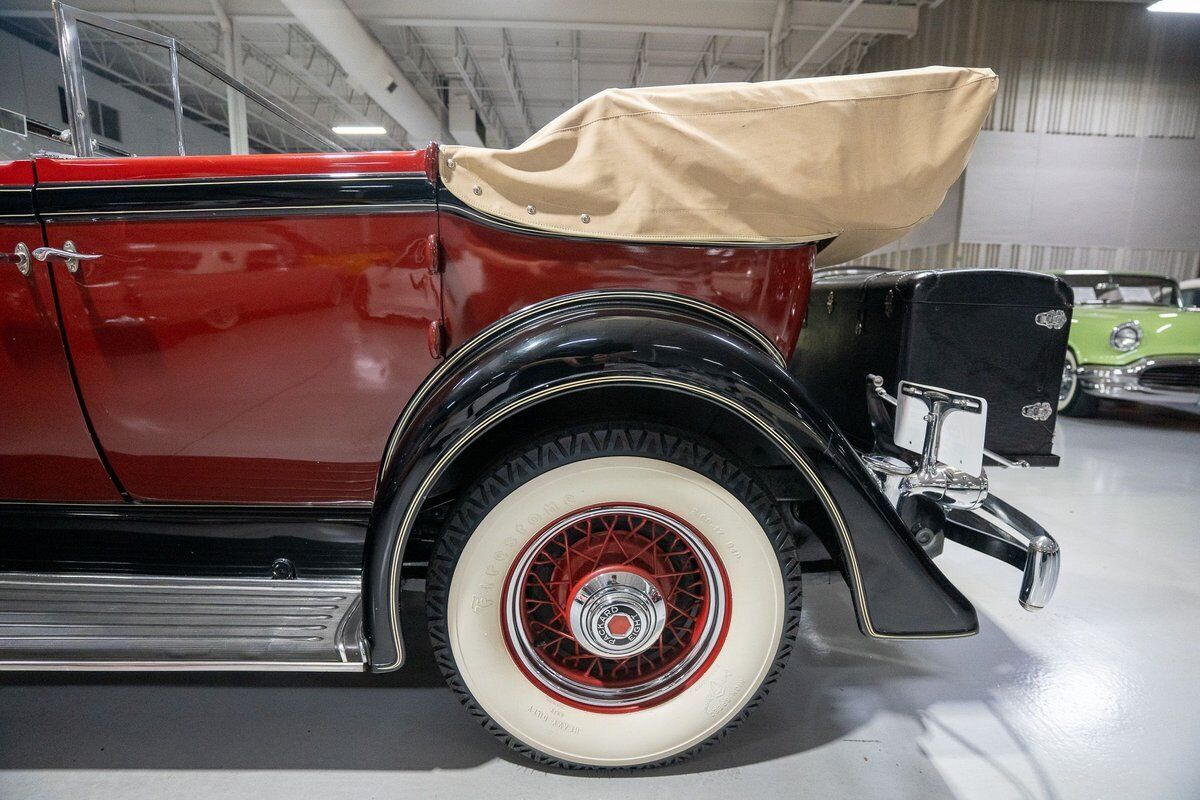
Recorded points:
(1131,339)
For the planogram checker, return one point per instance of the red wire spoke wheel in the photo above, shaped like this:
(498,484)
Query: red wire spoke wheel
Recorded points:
(613,596)
(616,607)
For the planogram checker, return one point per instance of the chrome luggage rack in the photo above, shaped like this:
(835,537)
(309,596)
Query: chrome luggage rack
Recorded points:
(969,514)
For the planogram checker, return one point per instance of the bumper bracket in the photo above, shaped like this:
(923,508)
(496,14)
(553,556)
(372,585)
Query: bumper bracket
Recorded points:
(1004,532)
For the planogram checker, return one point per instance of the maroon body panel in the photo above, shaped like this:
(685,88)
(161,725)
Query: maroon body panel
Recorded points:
(491,271)
(256,324)
(248,355)
(46,451)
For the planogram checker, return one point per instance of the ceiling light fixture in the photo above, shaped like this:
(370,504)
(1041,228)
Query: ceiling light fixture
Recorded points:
(359,130)
(1177,6)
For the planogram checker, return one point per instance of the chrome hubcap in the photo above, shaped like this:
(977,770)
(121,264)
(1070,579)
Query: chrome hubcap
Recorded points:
(616,613)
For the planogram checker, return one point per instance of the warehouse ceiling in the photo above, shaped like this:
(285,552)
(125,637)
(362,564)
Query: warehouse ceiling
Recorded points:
(506,68)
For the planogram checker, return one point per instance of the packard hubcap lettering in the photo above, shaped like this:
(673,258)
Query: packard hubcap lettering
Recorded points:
(617,613)
(615,607)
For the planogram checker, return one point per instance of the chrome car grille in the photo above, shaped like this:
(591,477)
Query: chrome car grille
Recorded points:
(1172,378)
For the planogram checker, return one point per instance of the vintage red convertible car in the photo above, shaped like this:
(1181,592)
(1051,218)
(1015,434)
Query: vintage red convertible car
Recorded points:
(251,400)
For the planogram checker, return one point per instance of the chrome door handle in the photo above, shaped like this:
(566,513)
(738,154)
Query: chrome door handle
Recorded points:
(20,257)
(68,253)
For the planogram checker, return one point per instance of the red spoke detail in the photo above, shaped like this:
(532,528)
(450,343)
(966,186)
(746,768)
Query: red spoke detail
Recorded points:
(613,540)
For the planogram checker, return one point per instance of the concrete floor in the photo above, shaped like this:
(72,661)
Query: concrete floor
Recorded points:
(1095,697)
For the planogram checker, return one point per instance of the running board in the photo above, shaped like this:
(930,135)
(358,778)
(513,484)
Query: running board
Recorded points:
(150,623)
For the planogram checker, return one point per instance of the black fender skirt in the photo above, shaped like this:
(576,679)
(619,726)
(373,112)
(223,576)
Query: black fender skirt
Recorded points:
(676,345)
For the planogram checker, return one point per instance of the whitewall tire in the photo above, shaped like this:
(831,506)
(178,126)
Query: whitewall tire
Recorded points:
(617,605)
(1072,400)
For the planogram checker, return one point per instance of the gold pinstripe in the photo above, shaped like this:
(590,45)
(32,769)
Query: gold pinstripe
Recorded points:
(526,313)
(859,595)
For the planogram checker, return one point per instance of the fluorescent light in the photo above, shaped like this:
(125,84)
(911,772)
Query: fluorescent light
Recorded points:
(359,130)
(1177,6)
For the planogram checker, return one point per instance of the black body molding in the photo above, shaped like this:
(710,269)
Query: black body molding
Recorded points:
(675,345)
(402,192)
(190,540)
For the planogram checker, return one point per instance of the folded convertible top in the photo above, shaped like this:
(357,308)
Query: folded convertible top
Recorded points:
(860,159)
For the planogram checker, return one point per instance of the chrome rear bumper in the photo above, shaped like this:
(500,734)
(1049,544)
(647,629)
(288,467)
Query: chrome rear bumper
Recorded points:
(966,513)
(1146,380)
(1006,533)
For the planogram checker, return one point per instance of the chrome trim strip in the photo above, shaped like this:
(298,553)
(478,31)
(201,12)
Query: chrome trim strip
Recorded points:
(197,584)
(177,96)
(181,666)
(72,71)
(513,320)
(1124,382)
(855,577)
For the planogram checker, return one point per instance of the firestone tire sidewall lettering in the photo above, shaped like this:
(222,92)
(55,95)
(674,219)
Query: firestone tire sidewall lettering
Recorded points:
(523,708)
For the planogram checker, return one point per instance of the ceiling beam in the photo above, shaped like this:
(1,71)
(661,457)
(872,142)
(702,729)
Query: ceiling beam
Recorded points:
(640,62)
(575,66)
(746,18)
(334,26)
(474,83)
(508,65)
(848,8)
(721,17)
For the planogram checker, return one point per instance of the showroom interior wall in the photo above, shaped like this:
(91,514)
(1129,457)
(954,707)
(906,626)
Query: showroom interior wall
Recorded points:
(33,76)
(1090,158)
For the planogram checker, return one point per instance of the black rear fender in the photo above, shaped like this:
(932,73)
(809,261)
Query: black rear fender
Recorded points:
(629,345)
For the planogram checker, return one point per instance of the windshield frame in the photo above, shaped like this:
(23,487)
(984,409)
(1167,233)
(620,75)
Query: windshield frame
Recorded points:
(67,19)
(1115,280)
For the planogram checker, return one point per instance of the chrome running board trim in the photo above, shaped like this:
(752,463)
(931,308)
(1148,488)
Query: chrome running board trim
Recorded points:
(59,622)
(179,666)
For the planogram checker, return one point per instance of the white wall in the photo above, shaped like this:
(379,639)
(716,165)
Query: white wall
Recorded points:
(1090,158)
(1044,201)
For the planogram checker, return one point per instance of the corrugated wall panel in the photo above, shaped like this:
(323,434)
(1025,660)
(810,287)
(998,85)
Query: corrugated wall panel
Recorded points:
(1068,69)
(1089,69)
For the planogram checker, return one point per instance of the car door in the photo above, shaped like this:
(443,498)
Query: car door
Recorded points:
(244,328)
(227,341)
(46,450)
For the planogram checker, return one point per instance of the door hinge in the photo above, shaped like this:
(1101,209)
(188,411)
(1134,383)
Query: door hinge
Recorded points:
(436,338)
(432,163)
(433,254)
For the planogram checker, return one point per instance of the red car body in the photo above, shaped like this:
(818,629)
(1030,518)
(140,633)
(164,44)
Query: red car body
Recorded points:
(234,353)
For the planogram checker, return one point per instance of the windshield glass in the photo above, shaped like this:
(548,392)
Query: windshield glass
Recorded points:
(1109,289)
(123,90)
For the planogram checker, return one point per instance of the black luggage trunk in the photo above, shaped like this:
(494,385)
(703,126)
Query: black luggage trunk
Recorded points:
(998,334)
